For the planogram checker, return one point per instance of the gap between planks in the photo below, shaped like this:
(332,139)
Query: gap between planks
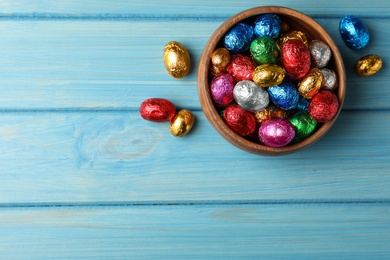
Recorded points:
(189,203)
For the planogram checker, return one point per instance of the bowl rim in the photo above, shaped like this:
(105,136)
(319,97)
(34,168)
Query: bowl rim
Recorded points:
(209,108)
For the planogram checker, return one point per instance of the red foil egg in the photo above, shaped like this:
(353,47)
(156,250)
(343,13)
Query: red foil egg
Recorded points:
(157,110)
(323,106)
(295,58)
(239,120)
(241,67)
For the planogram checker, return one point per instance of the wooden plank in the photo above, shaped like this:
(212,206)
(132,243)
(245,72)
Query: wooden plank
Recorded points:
(187,8)
(104,156)
(304,231)
(116,65)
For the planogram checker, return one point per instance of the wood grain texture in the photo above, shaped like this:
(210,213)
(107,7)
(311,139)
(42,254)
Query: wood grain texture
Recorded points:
(81,157)
(323,231)
(82,175)
(107,65)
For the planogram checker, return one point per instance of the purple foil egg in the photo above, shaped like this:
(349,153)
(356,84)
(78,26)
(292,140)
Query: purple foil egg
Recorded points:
(276,132)
(221,88)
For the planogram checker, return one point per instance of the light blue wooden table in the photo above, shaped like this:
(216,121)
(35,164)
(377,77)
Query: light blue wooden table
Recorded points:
(82,175)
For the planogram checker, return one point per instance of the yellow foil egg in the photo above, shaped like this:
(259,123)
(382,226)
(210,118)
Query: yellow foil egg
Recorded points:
(298,35)
(182,123)
(368,65)
(176,59)
(311,83)
(267,75)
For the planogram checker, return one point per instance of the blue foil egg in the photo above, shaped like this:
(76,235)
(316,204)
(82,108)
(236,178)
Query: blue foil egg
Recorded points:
(284,95)
(267,25)
(238,38)
(302,104)
(354,32)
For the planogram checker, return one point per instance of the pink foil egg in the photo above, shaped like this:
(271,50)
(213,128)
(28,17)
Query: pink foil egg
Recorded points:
(276,132)
(222,89)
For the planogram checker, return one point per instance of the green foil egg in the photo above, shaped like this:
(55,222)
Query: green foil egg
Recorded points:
(304,125)
(264,50)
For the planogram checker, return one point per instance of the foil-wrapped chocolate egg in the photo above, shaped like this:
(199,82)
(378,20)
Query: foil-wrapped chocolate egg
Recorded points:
(267,25)
(250,96)
(320,53)
(284,95)
(303,104)
(238,38)
(368,65)
(220,58)
(295,58)
(276,132)
(267,75)
(221,88)
(323,106)
(311,83)
(354,32)
(157,110)
(270,112)
(296,35)
(264,50)
(239,120)
(330,79)
(241,67)
(176,59)
(181,123)
(304,125)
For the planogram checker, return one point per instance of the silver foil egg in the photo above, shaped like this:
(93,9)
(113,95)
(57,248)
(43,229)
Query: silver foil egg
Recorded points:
(320,53)
(330,79)
(249,96)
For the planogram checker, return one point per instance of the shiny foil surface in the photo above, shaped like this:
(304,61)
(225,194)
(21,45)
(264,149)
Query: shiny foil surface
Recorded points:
(295,58)
(354,32)
(303,104)
(267,25)
(239,120)
(267,75)
(270,112)
(182,123)
(330,79)
(285,95)
(323,106)
(249,96)
(220,58)
(241,67)
(276,132)
(221,88)
(293,35)
(311,83)
(176,59)
(304,125)
(157,110)
(320,53)
(238,38)
(264,50)
(368,65)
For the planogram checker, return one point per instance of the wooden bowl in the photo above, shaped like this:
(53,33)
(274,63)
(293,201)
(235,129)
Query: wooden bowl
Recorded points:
(297,21)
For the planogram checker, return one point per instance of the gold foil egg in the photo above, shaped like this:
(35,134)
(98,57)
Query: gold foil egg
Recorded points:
(220,57)
(311,83)
(182,123)
(298,35)
(269,113)
(368,65)
(267,75)
(176,59)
